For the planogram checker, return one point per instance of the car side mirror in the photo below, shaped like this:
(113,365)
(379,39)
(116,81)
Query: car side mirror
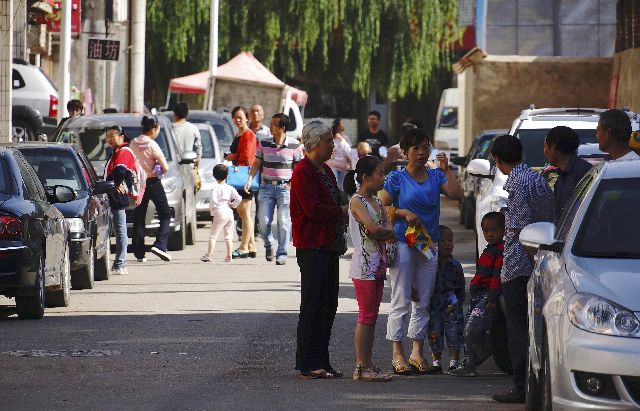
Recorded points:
(480,168)
(104,187)
(188,157)
(62,194)
(541,236)
(459,161)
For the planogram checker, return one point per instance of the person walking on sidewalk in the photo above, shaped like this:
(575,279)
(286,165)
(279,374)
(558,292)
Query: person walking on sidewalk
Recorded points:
(149,154)
(318,236)
(276,156)
(530,201)
(119,169)
(373,134)
(187,133)
(256,122)
(340,160)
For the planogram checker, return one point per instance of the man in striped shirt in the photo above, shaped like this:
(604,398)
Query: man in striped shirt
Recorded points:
(276,157)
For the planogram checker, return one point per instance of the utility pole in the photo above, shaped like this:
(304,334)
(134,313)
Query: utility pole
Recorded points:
(213,56)
(65,58)
(136,91)
(6,83)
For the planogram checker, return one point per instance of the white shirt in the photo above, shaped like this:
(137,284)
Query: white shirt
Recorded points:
(262,133)
(188,137)
(223,198)
(631,155)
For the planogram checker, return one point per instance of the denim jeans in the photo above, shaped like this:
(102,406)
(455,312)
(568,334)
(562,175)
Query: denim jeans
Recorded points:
(269,197)
(339,177)
(120,228)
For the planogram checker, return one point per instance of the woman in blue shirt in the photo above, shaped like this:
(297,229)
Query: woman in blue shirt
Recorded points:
(412,196)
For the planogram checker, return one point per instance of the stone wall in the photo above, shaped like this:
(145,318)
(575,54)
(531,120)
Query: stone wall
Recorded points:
(625,69)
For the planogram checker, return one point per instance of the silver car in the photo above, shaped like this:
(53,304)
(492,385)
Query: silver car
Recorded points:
(584,305)
(211,156)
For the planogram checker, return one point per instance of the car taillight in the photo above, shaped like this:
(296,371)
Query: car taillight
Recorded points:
(53,106)
(10,228)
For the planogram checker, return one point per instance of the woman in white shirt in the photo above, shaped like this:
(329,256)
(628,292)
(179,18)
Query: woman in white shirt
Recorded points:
(340,160)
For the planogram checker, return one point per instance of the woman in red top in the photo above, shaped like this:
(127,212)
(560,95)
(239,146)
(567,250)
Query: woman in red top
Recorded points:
(318,233)
(243,153)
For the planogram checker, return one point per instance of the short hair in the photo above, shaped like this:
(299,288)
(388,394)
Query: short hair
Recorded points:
(564,138)
(220,172)
(618,122)
(181,110)
(413,137)
(507,148)
(334,125)
(74,105)
(116,128)
(313,132)
(375,113)
(283,119)
(442,228)
(494,216)
(238,108)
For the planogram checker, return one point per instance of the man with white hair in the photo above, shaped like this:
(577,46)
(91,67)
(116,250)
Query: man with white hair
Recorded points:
(256,122)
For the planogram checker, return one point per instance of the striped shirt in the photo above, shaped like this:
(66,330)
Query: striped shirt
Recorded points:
(278,160)
(488,270)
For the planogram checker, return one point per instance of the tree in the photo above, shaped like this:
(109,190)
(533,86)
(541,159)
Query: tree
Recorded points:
(391,46)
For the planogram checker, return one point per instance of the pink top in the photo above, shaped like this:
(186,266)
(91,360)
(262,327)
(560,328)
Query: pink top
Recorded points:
(223,197)
(340,159)
(148,153)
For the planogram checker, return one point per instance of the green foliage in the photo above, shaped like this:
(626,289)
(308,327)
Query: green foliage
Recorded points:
(392,46)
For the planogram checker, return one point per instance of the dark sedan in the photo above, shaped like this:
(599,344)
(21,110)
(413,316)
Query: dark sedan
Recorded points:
(35,267)
(88,216)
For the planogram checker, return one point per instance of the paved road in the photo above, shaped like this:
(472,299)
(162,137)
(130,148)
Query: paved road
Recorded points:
(193,335)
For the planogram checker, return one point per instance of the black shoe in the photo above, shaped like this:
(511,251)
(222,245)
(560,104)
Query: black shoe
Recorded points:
(252,254)
(268,253)
(436,369)
(239,254)
(160,253)
(513,396)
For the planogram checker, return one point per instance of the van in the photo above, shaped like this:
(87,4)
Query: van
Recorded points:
(446,135)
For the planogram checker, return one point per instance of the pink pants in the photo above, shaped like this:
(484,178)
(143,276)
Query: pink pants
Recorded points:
(369,296)
(222,220)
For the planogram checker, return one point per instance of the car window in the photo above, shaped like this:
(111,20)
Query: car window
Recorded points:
(18,81)
(533,139)
(610,228)
(483,148)
(57,167)
(88,167)
(5,186)
(573,204)
(208,147)
(30,184)
(449,118)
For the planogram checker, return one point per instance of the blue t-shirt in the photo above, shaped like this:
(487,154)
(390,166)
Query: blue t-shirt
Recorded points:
(423,199)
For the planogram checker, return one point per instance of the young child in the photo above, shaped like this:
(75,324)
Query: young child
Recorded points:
(484,291)
(224,199)
(446,316)
(369,229)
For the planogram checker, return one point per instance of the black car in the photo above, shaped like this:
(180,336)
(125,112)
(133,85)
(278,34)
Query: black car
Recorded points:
(88,216)
(34,250)
(470,184)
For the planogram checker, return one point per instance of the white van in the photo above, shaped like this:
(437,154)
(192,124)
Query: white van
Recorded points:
(446,135)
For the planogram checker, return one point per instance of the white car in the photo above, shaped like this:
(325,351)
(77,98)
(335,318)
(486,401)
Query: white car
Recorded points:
(446,133)
(583,305)
(32,91)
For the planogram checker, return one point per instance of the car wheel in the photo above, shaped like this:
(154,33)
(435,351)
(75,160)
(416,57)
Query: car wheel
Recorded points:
(83,278)
(191,230)
(178,239)
(103,266)
(31,307)
(469,213)
(499,342)
(22,131)
(545,377)
(61,297)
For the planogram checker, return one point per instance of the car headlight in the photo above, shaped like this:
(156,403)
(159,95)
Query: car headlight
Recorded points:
(598,315)
(76,225)
(169,184)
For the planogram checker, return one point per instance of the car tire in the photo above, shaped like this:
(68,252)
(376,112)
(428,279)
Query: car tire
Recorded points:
(61,297)
(178,239)
(499,342)
(24,130)
(83,278)
(191,230)
(469,213)
(31,307)
(103,265)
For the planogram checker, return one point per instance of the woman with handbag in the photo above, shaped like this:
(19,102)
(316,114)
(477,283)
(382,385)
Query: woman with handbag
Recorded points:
(243,153)
(318,235)
(413,196)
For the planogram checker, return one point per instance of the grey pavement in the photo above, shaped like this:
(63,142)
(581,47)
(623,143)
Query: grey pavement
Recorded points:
(194,335)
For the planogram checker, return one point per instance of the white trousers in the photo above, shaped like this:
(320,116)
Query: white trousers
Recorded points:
(410,270)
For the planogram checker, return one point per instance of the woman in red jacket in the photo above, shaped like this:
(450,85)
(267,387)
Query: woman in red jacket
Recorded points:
(243,153)
(318,233)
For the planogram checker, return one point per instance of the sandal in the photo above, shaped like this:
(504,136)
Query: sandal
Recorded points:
(205,258)
(400,367)
(374,374)
(315,374)
(239,254)
(419,367)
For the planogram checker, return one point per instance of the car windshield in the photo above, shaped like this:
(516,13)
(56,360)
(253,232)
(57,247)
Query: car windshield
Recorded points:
(610,228)
(4,180)
(57,167)
(533,139)
(449,118)
(208,148)
(223,131)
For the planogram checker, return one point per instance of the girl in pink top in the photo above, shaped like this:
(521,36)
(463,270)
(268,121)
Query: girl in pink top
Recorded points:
(340,160)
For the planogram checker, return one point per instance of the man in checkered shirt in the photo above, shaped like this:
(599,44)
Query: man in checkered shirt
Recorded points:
(530,201)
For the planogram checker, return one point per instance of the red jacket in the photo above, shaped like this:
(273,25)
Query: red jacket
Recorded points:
(314,214)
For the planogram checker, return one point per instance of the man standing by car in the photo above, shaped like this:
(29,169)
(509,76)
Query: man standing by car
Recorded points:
(613,134)
(119,170)
(256,119)
(530,201)
(74,108)
(187,133)
(276,156)
(374,135)
(560,146)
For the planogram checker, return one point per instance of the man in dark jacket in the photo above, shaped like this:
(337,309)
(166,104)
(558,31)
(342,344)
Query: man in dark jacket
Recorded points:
(119,169)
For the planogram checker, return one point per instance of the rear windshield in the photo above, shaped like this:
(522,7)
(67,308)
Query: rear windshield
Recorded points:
(449,118)
(4,177)
(611,227)
(208,147)
(223,130)
(533,139)
(57,167)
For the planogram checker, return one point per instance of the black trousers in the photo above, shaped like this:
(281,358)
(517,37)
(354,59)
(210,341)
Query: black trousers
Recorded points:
(318,306)
(515,298)
(154,192)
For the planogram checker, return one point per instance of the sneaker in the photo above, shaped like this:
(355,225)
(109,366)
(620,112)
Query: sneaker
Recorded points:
(162,254)
(513,396)
(268,253)
(142,260)
(205,258)
(463,371)
(119,271)
(281,260)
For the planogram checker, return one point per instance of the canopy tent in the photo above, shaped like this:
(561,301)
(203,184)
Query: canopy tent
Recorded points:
(243,67)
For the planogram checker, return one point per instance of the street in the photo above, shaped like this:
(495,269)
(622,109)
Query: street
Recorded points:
(193,335)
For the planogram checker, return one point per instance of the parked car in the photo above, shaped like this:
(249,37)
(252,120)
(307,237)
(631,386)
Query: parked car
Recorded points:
(88,132)
(584,311)
(446,134)
(221,123)
(470,184)
(32,93)
(88,216)
(35,267)
(211,156)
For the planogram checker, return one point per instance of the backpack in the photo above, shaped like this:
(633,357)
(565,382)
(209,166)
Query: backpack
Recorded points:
(138,178)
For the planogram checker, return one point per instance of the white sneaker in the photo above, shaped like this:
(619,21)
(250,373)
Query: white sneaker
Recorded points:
(120,271)
(162,254)
(142,260)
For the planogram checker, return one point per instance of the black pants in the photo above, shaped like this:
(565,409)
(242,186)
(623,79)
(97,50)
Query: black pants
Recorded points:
(154,192)
(318,306)
(515,298)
